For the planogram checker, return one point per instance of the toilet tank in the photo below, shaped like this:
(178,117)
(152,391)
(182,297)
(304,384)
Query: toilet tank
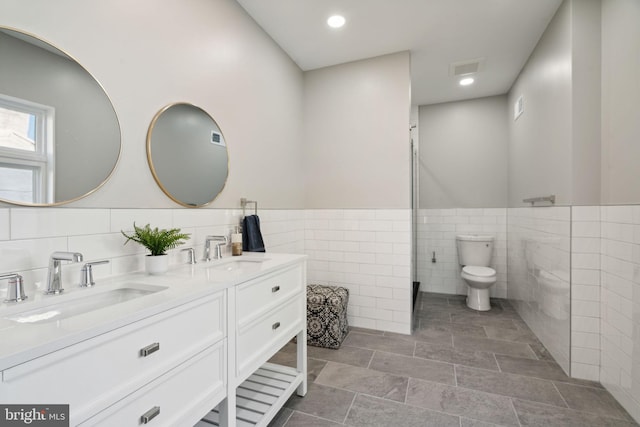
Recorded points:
(474,249)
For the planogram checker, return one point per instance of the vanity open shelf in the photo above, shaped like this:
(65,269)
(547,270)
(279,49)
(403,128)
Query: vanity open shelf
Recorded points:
(260,397)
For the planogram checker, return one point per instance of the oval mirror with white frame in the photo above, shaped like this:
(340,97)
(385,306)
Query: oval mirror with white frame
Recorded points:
(59,133)
(187,154)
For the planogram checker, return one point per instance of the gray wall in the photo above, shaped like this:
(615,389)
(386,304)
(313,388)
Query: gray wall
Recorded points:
(554,144)
(539,140)
(463,154)
(356,134)
(620,100)
(87,136)
(219,60)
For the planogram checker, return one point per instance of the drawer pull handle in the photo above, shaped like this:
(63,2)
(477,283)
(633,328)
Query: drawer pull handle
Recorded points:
(275,326)
(150,349)
(150,414)
(275,289)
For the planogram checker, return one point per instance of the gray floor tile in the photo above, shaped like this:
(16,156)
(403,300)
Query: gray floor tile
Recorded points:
(413,367)
(373,412)
(478,359)
(541,352)
(533,414)
(517,335)
(463,402)
(509,348)
(285,358)
(467,422)
(298,419)
(454,328)
(475,319)
(365,330)
(375,342)
(348,355)
(363,380)
(281,417)
(426,335)
(508,385)
(531,368)
(324,402)
(434,316)
(593,400)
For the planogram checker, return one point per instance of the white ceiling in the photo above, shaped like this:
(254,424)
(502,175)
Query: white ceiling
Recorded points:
(437,32)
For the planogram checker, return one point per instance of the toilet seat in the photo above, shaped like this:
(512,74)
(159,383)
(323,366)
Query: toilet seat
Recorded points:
(474,270)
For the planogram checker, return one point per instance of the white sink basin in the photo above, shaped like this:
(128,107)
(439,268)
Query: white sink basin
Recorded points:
(90,302)
(246,264)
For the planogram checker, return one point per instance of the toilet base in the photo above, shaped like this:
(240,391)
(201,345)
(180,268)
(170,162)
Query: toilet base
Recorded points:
(478,299)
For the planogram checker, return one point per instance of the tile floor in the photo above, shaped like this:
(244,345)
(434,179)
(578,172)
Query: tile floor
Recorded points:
(459,368)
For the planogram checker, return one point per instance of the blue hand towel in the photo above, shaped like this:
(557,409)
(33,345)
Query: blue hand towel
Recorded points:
(251,235)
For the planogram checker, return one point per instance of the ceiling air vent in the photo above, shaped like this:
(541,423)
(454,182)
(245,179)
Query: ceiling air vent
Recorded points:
(462,68)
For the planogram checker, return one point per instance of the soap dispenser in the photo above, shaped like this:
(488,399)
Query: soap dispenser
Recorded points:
(236,242)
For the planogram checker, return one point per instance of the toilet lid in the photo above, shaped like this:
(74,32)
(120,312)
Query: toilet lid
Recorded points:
(479,271)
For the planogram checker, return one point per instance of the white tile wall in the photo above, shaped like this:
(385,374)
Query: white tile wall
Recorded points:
(539,259)
(585,292)
(367,251)
(620,305)
(436,232)
(29,235)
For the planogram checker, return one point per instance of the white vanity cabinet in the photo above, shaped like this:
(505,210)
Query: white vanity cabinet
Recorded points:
(173,360)
(265,313)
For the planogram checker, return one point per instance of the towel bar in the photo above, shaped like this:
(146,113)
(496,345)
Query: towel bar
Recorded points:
(244,202)
(551,199)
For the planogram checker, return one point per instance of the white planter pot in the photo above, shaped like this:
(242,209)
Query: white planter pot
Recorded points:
(156,265)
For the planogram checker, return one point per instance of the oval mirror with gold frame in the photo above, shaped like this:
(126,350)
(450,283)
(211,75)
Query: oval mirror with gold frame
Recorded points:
(59,133)
(187,154)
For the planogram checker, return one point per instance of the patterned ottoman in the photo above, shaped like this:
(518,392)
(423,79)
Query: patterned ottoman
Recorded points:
(326,315)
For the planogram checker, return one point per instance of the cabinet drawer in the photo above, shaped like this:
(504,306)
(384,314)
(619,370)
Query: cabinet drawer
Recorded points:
(95,373)
(258,296)
(179,398)
(259,340)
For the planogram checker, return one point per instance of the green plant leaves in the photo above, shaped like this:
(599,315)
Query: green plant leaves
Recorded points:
(158,242)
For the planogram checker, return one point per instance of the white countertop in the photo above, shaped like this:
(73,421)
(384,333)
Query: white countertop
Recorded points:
(20,342)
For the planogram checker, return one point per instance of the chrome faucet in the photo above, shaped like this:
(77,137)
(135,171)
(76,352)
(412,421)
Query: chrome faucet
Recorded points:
(54,285)
(15,289)
(192,255)
(218,251)
(86,273)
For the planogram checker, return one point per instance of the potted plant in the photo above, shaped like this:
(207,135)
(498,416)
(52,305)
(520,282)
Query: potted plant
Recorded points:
(158,242)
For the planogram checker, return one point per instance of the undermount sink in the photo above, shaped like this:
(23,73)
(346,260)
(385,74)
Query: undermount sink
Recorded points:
(73,307)
(246,264)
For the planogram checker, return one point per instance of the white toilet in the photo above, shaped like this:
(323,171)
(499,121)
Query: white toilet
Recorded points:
(474,254)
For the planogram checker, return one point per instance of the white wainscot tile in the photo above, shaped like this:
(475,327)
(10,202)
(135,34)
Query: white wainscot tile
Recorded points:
(585,372)
(585,245)
(57,222)
(585,277)
(586,261)
(585,229)
(585,324)
(618,214)
(585,213)
(104,246)
(394,214)
(204,217)
(585,292)
(617,249)
(359,214)
(19,255)
(5,224)
(585,308)
(585,340)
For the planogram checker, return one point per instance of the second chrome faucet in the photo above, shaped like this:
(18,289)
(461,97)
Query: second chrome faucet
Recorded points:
(218,249)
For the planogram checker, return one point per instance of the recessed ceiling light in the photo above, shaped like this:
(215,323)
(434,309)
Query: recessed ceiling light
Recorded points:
(466,81)
(336,21)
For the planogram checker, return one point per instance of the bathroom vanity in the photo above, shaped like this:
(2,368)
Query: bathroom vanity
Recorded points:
(163,350)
